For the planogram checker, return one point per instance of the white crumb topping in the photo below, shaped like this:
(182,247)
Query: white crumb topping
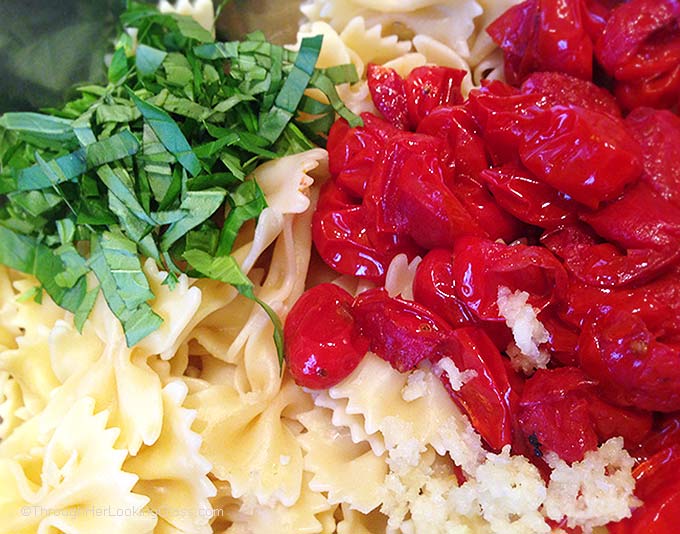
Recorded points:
(528,332)
(456,377)
(416,386)
(594,491)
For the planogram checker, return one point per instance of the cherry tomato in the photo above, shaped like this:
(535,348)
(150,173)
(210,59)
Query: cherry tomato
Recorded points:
(587,155)
(659,489)
(429,87)
(411,197)
(481,266)
(434,287)
(354,153)
(456,125)
(503,115)
(640,48)
(544,35)
(658,133)
(562,409)
(666,434)
(322,343)
(603,264)
(640,39)
(401,332)
(518,191)
(487,398)
(554,413)
(342,239)
(633,367)
(389,95)
(559,89)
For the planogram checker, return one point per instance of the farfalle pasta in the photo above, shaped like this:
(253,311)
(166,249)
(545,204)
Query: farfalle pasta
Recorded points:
(72,480)
(172,472)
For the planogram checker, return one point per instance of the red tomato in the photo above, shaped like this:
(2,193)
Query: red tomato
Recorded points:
(604,264)
(639,219)
(322,343)
(456,125)
(389,95)
(554,413)
(640,48)
(666,434)
(434,287)
(339,231)
(544,35)
(353,153)
(658,133)
(489,215)
(562,410)
(633,367)
(518,191)
(429,87)
(503,115)
(488,398)
(400,332)
(657,303)
(587,155)
(481,266)
(559,89)
(659,488)
(641,39)
(411,197)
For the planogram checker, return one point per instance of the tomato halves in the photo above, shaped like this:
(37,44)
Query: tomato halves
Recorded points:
(322,343)
(659,488)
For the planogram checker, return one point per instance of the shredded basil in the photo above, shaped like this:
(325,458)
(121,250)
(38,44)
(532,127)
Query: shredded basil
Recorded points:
(155,164)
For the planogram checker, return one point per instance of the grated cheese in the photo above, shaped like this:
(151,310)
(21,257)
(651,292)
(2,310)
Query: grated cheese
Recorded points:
(456,377)
(594,491)
(529,333)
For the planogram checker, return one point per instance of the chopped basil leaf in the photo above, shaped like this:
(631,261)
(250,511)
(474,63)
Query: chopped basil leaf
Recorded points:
(155,164)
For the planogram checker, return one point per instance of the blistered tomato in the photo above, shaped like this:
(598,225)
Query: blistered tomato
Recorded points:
(321,341)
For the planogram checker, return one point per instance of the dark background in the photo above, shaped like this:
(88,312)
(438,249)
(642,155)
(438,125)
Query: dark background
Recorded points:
(46,47)
(49,46)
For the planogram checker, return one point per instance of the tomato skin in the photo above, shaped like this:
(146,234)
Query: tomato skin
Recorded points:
(322,343)
(411,196)
(429,87)
(658,133)
(632,366)
(456,125)
(657,303)
(557,88)
(534,202)
(401,332)
(562,409)
(434,287)
(602,264)
(503,115)
(640,48)
(554,411)
(353,153)
(587,155)
(388,92)
(481,266)
(340,235)
(488,398)
(666,434)
(659,489)
(544,35)
(634,44)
